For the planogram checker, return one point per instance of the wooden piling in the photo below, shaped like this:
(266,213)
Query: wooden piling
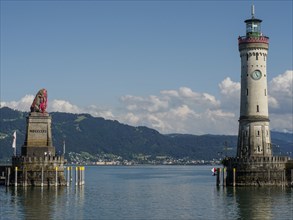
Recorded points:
(76,176)
(83,176)
(224,176)
(15,180)
(68,176)
(42,178)
(218,176)
(7,178)
(56,176)
(234,176)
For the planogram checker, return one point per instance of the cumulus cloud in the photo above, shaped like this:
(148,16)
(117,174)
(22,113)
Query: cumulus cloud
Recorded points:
(230,88)
(23,104)
(230,95)
(281,93)
(63,106)
(183,110)
(281,102)
(175,111)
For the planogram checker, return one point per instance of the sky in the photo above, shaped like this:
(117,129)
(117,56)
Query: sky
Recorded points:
(169,65)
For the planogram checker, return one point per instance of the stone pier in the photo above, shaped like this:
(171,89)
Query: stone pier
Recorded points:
(259,171)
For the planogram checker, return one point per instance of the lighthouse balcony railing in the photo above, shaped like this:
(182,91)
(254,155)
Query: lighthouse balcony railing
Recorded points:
(260,39)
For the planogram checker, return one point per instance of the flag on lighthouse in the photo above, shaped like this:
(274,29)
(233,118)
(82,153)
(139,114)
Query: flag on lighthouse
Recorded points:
(14,140)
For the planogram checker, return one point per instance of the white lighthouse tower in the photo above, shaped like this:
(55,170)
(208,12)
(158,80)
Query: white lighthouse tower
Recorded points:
(254,132)
(255,164)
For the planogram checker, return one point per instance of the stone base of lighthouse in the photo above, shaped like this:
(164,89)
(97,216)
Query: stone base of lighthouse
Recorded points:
(259,171)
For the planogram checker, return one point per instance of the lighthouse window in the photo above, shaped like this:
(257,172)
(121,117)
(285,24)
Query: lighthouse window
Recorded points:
(246,91)
(256,56)
(247,56)
(257,108)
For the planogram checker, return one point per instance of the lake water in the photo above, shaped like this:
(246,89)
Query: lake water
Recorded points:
(147,192)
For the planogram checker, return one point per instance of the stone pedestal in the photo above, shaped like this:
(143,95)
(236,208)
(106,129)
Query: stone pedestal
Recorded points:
(38,165)
(38,141)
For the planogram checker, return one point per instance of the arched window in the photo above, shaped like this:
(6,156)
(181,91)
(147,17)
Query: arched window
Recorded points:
(256,56)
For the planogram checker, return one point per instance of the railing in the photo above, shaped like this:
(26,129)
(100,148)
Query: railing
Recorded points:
(253,160)
(38,159)
(245,39)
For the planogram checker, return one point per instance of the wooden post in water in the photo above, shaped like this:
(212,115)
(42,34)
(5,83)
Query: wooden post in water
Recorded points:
(68,176)
(80,176)
(83,176)
(76,176)
(16,169)
(42,173)
(234,176)
(56,176)
(218,176)
(71,171)
(7,178)
(224,176)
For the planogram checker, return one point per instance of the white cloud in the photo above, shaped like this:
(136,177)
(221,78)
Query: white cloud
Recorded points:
(173,111)
(280,91)
(98,112)
(230,95)
(184,110)
(272,102)
(230,88)
(23,104)
(282,84)
(63,106)
(149,104)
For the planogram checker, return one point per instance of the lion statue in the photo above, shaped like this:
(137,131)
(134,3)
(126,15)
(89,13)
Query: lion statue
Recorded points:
(40,102)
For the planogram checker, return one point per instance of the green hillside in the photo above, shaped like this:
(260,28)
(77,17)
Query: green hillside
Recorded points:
(84,133)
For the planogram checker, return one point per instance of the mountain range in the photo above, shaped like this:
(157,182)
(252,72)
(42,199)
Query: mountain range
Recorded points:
(96,135)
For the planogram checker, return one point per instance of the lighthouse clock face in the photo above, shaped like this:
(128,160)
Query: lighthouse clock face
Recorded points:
(256,74)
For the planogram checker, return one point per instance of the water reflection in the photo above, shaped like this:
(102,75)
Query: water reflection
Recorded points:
(43,203)
(35,202)
(261,202)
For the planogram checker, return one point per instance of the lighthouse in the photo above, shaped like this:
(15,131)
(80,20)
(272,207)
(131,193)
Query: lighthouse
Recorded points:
(255,164)
(254,138)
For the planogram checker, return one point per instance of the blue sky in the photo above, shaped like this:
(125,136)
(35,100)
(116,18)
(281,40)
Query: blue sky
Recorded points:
(142,62)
